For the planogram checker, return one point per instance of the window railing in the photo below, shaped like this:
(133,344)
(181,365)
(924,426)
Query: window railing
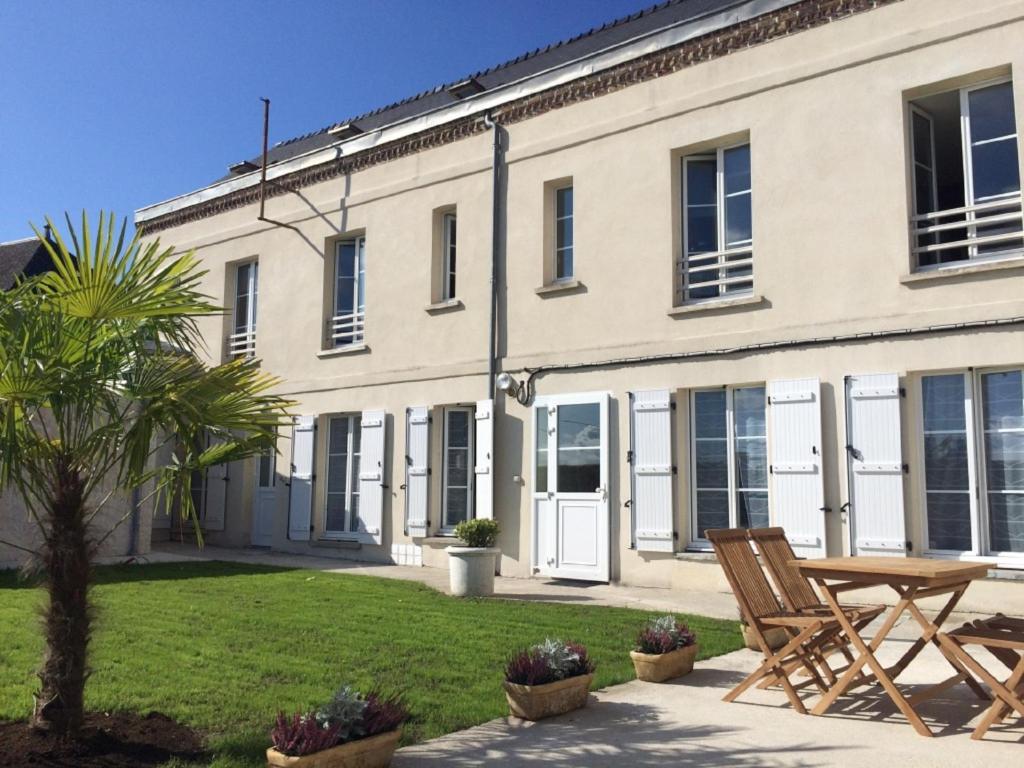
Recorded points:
(242,344)
(985,230)
(707,276)
(346,329)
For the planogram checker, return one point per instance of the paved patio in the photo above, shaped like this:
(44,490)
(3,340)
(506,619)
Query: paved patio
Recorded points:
(685,723)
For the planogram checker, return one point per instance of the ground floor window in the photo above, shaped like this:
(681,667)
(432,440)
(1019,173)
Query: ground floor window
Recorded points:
(973,433)
(343,440)
(729,464)
(457,489)
(198,493)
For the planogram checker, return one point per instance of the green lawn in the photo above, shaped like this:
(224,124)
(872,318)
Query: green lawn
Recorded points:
(223,646)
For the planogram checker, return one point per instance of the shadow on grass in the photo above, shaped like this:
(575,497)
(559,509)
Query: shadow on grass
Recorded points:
(137,572)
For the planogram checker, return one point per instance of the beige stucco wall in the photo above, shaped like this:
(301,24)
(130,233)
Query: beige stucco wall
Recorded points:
(18,527)
(825,114)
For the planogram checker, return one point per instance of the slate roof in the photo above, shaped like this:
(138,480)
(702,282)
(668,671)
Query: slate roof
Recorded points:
(22,257)
(651,19)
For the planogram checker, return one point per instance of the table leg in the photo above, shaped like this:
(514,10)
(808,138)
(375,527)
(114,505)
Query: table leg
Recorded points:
(867,656)
(855,666)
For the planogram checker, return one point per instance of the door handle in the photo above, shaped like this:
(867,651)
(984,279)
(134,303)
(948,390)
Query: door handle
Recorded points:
(603,491)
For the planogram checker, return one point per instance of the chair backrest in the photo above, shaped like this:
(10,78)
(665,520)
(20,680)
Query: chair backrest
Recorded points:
(776,553)
(748,582)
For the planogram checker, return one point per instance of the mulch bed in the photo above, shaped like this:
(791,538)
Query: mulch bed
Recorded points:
(119,740)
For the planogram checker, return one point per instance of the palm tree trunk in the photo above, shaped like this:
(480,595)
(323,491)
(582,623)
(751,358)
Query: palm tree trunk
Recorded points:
(65,554)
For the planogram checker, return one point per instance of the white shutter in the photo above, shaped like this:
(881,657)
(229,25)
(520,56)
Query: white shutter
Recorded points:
(300,491)
(875,464)
(651,438)
(483,471)
(417,470)
(216,497)
(798,491)
(371,474)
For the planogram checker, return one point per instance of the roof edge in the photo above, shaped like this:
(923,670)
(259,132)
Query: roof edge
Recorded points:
(606,58)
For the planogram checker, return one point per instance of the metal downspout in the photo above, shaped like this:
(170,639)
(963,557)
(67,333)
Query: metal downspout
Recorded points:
(492,361)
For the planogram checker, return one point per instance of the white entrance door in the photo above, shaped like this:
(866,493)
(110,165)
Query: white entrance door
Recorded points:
(570,487)
(264,501)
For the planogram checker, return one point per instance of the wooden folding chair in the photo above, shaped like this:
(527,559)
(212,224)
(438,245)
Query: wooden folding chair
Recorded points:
(1003,637)
(761,611)
(797,592)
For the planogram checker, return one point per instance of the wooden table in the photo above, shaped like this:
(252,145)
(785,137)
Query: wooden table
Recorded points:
(912,578)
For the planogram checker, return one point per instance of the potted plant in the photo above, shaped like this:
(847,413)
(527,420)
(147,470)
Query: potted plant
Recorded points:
(471,566)
(776,637)
(548,679)
(350,731)
(665,648)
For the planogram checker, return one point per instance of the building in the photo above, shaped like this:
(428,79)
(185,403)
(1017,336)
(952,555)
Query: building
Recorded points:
(28,258)
(757,261)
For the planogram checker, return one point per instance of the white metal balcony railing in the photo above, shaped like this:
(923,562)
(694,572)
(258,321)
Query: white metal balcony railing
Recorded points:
(989,229)
(242,344)
(724,271)
(346,329)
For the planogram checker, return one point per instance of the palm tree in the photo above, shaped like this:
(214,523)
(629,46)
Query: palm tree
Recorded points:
(99,377)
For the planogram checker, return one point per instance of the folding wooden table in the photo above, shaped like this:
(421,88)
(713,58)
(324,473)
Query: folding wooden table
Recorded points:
(912,578)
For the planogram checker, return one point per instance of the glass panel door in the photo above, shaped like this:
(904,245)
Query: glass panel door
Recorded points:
(947,473)
(1003,444)
(579,448)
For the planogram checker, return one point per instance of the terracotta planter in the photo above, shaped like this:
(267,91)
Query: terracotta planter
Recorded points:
(658,667)
(535,702)
(776,638)
(374,752)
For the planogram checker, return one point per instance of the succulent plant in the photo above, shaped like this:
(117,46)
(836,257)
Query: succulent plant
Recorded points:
(344,711)
(663,635)
(547,662)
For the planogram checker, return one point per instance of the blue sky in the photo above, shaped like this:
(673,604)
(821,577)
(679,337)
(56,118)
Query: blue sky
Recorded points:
(116,105)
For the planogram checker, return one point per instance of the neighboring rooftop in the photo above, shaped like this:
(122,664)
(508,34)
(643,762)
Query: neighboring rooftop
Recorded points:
(25,258)
(661,16)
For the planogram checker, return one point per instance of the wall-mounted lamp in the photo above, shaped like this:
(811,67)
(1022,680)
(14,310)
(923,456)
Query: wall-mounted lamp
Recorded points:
(504,382)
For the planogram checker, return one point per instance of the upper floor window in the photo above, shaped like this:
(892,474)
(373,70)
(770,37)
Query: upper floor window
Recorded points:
(730,458)
(563,233)
(973,434)
(717,253)
(448,243)
(966,175)
(242,341)
(346,325)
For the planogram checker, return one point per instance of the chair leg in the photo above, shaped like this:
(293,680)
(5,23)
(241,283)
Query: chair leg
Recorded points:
(1003,693)
(773,665)
(1000,709)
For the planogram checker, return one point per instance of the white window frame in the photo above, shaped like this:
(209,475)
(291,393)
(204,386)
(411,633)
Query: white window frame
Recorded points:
(470,459)
(351,476)
(349,329)
(559,248)
(741,255)
(980,550)
(242,340)
(916,110)
(697,540)
(1006,207)
(449,262)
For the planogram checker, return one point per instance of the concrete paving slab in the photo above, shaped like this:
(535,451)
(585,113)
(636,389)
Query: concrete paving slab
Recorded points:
(685,723)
